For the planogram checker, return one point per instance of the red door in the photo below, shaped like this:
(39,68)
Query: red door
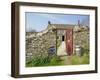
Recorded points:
(69,41)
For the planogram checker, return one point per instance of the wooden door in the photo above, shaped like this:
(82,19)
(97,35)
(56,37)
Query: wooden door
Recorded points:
(69,41)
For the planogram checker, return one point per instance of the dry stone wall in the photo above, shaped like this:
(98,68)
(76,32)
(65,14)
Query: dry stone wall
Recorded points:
(38,45)
(81,39)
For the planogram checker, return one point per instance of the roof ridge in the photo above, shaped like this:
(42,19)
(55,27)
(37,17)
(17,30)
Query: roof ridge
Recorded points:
(63,24)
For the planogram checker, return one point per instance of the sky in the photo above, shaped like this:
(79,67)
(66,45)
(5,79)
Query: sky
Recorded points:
(39,21)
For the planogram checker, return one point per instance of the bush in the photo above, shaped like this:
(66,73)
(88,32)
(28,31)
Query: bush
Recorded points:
(84,51)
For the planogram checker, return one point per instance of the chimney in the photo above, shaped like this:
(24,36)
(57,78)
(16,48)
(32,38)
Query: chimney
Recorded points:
(79,23)
(49,22)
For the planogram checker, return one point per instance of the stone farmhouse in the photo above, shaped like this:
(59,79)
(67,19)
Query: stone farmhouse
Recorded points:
(50,40)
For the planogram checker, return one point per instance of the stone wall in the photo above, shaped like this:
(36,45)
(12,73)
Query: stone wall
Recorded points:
(81,39)
(38,43)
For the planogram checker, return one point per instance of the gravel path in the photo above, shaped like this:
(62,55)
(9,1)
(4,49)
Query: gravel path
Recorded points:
(63,55)
(67,59)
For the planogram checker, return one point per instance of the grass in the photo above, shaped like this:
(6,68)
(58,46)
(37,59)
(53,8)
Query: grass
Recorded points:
(46,61)
(80,59)
(56,61)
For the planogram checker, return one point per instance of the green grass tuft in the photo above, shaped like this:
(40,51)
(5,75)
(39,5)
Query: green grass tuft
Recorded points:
(46,61)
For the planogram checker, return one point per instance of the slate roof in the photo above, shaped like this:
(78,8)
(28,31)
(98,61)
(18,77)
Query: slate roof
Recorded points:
(67,26)
(62,26)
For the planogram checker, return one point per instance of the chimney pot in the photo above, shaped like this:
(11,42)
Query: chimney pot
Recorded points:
(49,22)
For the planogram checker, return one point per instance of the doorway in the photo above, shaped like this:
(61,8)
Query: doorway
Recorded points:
(63,38)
